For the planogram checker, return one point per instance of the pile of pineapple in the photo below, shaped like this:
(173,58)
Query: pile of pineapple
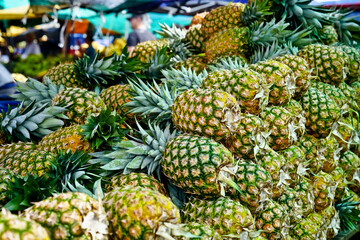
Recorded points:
(244,126)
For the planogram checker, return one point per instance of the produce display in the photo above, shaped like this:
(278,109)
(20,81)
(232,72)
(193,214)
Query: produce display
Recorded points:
(244,126)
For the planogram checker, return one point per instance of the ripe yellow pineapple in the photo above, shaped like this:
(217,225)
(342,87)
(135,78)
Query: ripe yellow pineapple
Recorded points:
(198,18)
(145,50)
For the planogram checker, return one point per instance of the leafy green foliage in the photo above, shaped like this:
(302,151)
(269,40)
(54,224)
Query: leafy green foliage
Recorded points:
(348,213)
(104,130)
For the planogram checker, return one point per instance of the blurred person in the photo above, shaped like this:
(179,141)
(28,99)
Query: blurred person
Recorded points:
(140,33)
(31,47)
(7,83)
(90,50)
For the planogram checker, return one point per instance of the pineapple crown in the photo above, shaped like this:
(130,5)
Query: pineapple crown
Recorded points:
(160,60)
(26,123)
(99,72)
(348,214)
(138,154)
(183,79)
(69,172)
(33,90)
(347,27)
(103,130)
(266,52)
(172,32)
(228,63)
(153,102)
(300,12)
(256,10)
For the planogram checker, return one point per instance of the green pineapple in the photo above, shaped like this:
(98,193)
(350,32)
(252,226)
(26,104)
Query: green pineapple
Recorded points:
(6,178)
(198,165)
(307,228)
(323,190)
(85,73)
(338,176)
(196,37)
(136,179)
(146,50)
(210,113)
(328,35)
(271,219)
(243,142)
(139,213)
(310,146)
(281,125)
(354,65)
(304,192)
(224,215)
(70,216)
(16,227)
(329,153)
(301,72)
(247,86)
(199,230)
(280,78)
(295,164)
(80,102)
(329,63)
(292,204)
(350,163)
(321,112)
(196,63)
(350,94)
(254,182)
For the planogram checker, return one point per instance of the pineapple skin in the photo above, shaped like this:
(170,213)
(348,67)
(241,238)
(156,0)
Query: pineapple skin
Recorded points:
(329,63)
(82,103)
(242,143)
(115,97)
(328,35)
(64,74)
(63,139)
(63,215)
(200,230)
(16,227)
(136,180)
(281,79)
(244,84)
(23,162)
(301,71)
(136,213)
(224,215)
(210,113)
(193,163)
(321,112)
(144,51)
(197,63)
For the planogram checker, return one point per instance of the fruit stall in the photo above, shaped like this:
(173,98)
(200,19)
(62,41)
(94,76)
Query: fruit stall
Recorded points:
(239,121)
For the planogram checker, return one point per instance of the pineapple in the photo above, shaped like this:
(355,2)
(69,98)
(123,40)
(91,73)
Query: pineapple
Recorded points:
(329,153)
(271,219)
(15,227)
(328,35)
(136,179)
(70,216)
(63,139)
(245,85)
(272,162)
(195,36)
(196,63)
(307,228)
(323,190)
(304,192)
(225,216)
(115,97)
(356,86)
(329,63)
(84,73)
(254,182)
(350,163)
(32,161)
(80,102)
(292,204)
(244,41)
(139,213)
(333,92)
(222,18)
(301,72)
(321,112)
(310,146)
(146,50)
(350,94)
(210,113)
(280,78)
(242,143)
(338,176)
(6,178)
(197,165)
(354,65)
(295,164)
(281,125)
